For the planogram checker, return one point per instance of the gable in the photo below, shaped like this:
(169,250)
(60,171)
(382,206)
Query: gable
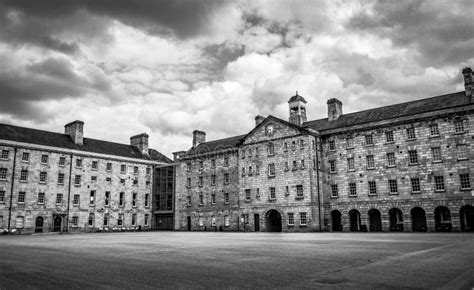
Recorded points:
(270,129)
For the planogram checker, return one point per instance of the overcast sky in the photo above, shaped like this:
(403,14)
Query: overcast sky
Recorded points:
(169,67)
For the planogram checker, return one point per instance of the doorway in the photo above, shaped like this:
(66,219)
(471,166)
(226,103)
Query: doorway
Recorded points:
(273,221)
(189,223)
(256,220)
(336,221)
(39,225)
(396,220)
(57,224)
(418,219)
(442,219)
(354,217)
(466,214)
(375,220)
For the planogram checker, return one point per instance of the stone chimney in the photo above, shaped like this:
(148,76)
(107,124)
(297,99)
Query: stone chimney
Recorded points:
(334,109)
(259,119)
(177,155)
(469,87)
(141,142)
(75,130)
(198,137)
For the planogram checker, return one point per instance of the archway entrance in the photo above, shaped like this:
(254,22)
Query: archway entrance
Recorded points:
(418,219)
(396,220)
(273,221)
(57,224)
(354,217)
(336,221)
(442,219)
(39,225)
(375,220)
(466,214)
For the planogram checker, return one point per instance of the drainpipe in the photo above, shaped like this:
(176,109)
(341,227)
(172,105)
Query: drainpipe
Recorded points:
(11,191)
(69,194)
(317,178)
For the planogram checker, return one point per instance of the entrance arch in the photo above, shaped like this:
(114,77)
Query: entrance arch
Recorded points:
(273,221)
(375,220)
(442,219)
(396,220)
(39,225)
(336,221)
(418,219)
(57,224)
(354,217)
(466,215)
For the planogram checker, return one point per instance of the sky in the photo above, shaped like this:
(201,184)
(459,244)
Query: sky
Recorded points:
(173,66)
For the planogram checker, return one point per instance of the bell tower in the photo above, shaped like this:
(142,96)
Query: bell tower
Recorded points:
(297,106)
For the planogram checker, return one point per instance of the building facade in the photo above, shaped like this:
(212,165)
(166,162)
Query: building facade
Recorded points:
(405,167)
(65,182)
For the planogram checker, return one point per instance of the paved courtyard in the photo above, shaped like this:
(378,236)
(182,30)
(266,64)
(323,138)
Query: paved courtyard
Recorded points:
(237,260)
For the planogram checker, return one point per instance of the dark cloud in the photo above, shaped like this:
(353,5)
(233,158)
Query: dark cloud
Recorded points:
(220,55)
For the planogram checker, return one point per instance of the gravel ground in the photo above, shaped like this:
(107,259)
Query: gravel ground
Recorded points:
(237,260)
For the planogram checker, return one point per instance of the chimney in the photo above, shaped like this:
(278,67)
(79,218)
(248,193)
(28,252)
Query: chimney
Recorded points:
(177,155)
(469,87)
(141,142)
(198,137)
(259,119)
(75,130)
(334,109)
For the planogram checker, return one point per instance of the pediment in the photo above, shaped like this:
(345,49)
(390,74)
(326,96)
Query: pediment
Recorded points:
(272,128)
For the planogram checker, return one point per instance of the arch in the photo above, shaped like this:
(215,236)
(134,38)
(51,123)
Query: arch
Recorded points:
(396,220)
(336,218)
(466,215)
(375,220)
(354,217)
(418,219)
(39,224)
(273,221)
(57,223)
(91,220)
(442,219)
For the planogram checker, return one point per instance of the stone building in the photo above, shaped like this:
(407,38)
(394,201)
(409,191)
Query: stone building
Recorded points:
(65,182)
(404,167)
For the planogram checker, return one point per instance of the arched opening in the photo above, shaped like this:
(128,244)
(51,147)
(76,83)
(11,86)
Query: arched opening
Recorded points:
(418,219)
(466,214)
(375,220)
(57,224)
(396,220)
(336,221)
(273,221)
(354,217)
(39,225)
(442,219)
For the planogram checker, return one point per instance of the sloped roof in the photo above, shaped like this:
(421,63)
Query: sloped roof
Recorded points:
(215,145)
(392,111)
(297,98)
(63,141)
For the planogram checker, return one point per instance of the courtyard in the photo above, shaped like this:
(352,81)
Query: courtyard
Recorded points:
(237,260)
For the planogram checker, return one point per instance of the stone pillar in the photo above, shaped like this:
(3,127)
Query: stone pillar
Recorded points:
(407,222)
(385,221)
(430,222)
(455,221)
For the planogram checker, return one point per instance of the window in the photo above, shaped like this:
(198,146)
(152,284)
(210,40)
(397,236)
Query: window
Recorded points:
(257,169)
(390,159)
(91,219)
(370,161)
(213,199)
(120,219)
(272,193)
(248,194)
(352,189)
(294,165)
(201,165)
(291,219)
(78,162)
(75,200)
(59,199)
(411,133)
(243,153)
(415,185)
(334,190)
(108,166)
(123,168)
(256,151)
(3,173)
(246,218)
(200,181)
(462,151)
(436,153)
(372,188)
(226,160)
(188,166)
(75,221)
(134,199)
(2,196)
(135,170)
(250,152)
(21,197)
(122,199)
(226,178)
(243,171)
(24,175)
(412,157)
(332,145)
(257,195)
(369,140)
(188,182)
(226,221)
(122,181)
(25,157)
(250,171)
(349,142)
(458,126)
(285,147)
(299,191)
(92,198)
(286,166)
(302,218)
(201,221)
(20,222)
(301,144)
(213,221)
(271,149)
(350,163)
(213,163)
(43,176)
(4,154)
(271,169)
(62,161)
(106,220)
(201,199)
(293,145)
(188,199)
(60,178)
(393,187)
(434,130)
(465,181)
(302,164)
(108,180)
(134,219)
(77,180)
(226,198)
(148,170)
(41,198)
(107,198)
(44,159)
(439,183)
(389,137)
(147,200)
(95,165)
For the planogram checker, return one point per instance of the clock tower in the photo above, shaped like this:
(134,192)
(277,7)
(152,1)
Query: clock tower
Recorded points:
(297,106)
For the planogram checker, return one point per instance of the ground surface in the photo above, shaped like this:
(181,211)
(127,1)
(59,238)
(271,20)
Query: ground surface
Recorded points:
(237,260)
